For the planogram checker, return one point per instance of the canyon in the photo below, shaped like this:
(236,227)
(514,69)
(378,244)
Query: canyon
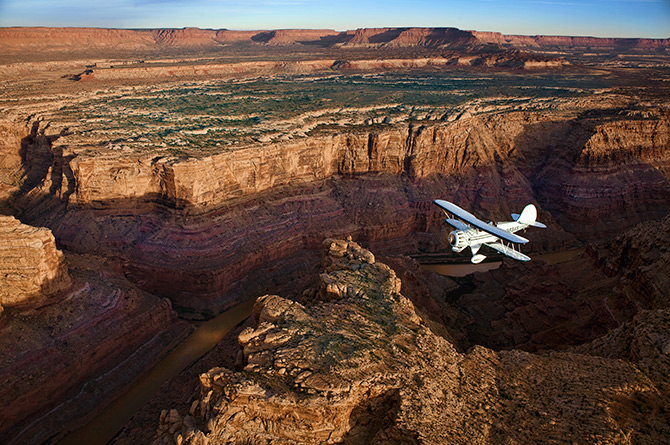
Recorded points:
(72,333)
(154,178)
(355,363)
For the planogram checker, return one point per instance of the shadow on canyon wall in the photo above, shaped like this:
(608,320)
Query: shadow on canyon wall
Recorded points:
(39,159)
(207,258)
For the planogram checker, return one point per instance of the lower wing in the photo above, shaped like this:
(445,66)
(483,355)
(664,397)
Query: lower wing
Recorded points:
(508,251)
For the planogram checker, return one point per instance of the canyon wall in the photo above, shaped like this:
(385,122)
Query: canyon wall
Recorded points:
(11,168)
(33,268)
(355,364)
(72,335)
(202,230)
(524,142)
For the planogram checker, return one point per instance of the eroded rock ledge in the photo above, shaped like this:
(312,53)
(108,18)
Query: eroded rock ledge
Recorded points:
(32,268)
(355,364)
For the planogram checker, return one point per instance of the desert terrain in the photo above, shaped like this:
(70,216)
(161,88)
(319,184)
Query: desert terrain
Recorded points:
(153,179)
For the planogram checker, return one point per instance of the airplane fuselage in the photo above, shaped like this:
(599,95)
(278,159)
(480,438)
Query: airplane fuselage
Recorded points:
(460,239)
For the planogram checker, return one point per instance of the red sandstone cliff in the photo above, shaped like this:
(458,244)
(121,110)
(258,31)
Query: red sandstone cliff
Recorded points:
(72,335)
(253,212)
(76,39)
(429,37)
(33,269)
(520,41)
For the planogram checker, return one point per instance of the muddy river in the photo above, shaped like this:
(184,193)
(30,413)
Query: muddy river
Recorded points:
(461,270)
(113,418)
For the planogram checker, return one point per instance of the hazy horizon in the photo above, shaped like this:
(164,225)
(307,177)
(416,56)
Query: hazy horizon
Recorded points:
(591,18)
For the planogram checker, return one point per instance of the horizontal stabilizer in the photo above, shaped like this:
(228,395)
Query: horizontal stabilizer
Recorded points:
(515,254)
(539,225)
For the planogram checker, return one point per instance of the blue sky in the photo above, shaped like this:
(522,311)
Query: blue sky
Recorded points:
(603,18)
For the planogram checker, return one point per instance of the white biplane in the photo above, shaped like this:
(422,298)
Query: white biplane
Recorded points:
(472,232)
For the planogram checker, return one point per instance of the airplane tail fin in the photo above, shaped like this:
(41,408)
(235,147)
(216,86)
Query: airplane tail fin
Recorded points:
(528,216)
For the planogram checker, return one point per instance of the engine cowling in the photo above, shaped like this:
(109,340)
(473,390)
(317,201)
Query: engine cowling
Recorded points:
(458,240)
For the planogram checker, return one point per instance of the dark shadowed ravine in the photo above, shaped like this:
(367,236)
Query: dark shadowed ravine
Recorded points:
(105,425)
(463,269)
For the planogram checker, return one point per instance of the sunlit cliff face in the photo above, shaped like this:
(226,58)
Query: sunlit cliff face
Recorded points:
(373,180)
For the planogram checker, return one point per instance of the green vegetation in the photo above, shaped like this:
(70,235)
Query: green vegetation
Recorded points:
(196,118)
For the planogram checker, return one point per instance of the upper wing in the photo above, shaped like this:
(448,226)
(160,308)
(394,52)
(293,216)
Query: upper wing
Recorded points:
(475,222)
(507,251)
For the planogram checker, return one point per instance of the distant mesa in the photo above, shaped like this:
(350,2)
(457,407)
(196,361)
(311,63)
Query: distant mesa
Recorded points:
(33,38)
(428,37)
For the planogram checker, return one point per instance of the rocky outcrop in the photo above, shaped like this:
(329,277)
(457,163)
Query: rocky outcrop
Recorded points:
(11,168)
(357,365)
(395,37)
(184,38)
(645,341)
(31,267)
(70,339)
(641,258)
(294,36)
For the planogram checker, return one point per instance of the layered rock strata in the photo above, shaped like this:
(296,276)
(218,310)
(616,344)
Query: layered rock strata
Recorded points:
(602,159)
(507,59)
(10,159)
(32,268)
(73,335)
(358,365)
(538,306)
(253,212)
(152,40)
